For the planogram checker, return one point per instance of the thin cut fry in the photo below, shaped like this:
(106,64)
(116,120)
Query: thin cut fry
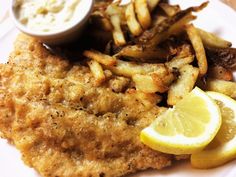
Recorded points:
(142,53)
(145,83)
(211,40)
(97,71)
(117,32)
(152,4)
(125,68)
(132,22)
(184,84)
(100,58)
(115,18)
(150,83)
(170,10)
(143,14)
(128,69)
(221,86)
(179,62)
(182,51)
(169,26)
(173,29)
(199,49)
(158,19)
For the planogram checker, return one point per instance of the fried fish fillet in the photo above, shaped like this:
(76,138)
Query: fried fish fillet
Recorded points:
(64,126)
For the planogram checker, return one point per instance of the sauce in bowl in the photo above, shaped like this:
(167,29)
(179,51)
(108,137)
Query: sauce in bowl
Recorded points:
(46,15)
(52,21)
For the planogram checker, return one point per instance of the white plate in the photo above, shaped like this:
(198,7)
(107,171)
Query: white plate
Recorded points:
(217,18)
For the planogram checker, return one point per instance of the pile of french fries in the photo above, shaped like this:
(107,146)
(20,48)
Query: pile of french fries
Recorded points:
(155,45)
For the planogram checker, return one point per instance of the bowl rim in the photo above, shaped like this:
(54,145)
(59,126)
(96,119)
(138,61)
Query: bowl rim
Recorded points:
(85,6)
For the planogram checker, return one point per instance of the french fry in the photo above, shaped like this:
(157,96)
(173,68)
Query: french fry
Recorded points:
(176,28)
(219,72)
(97,72)
(128,69)
(145,83)
(132,22)
(149,83)
(183,85)
(118,35)
(170,10)
(125,68)
(100,58)
(199,49)
(221,86)
(115,18)
(213,41)
(170,26)
(179,62)
(159,19)
(142,53)
(143,14)
(184,51)
(152,4)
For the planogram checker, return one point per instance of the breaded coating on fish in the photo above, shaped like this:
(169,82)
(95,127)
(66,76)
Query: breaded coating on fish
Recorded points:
(64,125)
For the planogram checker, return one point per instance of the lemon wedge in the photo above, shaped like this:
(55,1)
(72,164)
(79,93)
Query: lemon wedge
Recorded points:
(223,147)
(187,127)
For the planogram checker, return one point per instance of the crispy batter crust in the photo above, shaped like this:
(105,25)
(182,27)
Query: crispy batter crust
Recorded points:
(64,126)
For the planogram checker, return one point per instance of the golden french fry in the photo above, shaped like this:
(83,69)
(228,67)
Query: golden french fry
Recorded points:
(170,10)
(125,68)
(179,62)
(132,22)
(211,40)
(199,49)
(221,86)
(145,83)
(115,18)
(156,21)
(219,72)
(117,33)
(170,26)
(183,85)
(152,4)
(149,83)
(143,14)
(142,53)
(176,28)
(128,69)
(97,71)
(100,58)
(183,51)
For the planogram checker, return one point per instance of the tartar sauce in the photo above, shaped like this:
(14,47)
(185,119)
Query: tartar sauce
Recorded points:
(46,15)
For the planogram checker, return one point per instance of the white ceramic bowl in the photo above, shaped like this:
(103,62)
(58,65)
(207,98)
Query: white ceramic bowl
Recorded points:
(65,34)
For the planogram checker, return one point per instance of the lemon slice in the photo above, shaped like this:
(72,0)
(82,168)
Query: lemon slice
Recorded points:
(186,128)
(223,147)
